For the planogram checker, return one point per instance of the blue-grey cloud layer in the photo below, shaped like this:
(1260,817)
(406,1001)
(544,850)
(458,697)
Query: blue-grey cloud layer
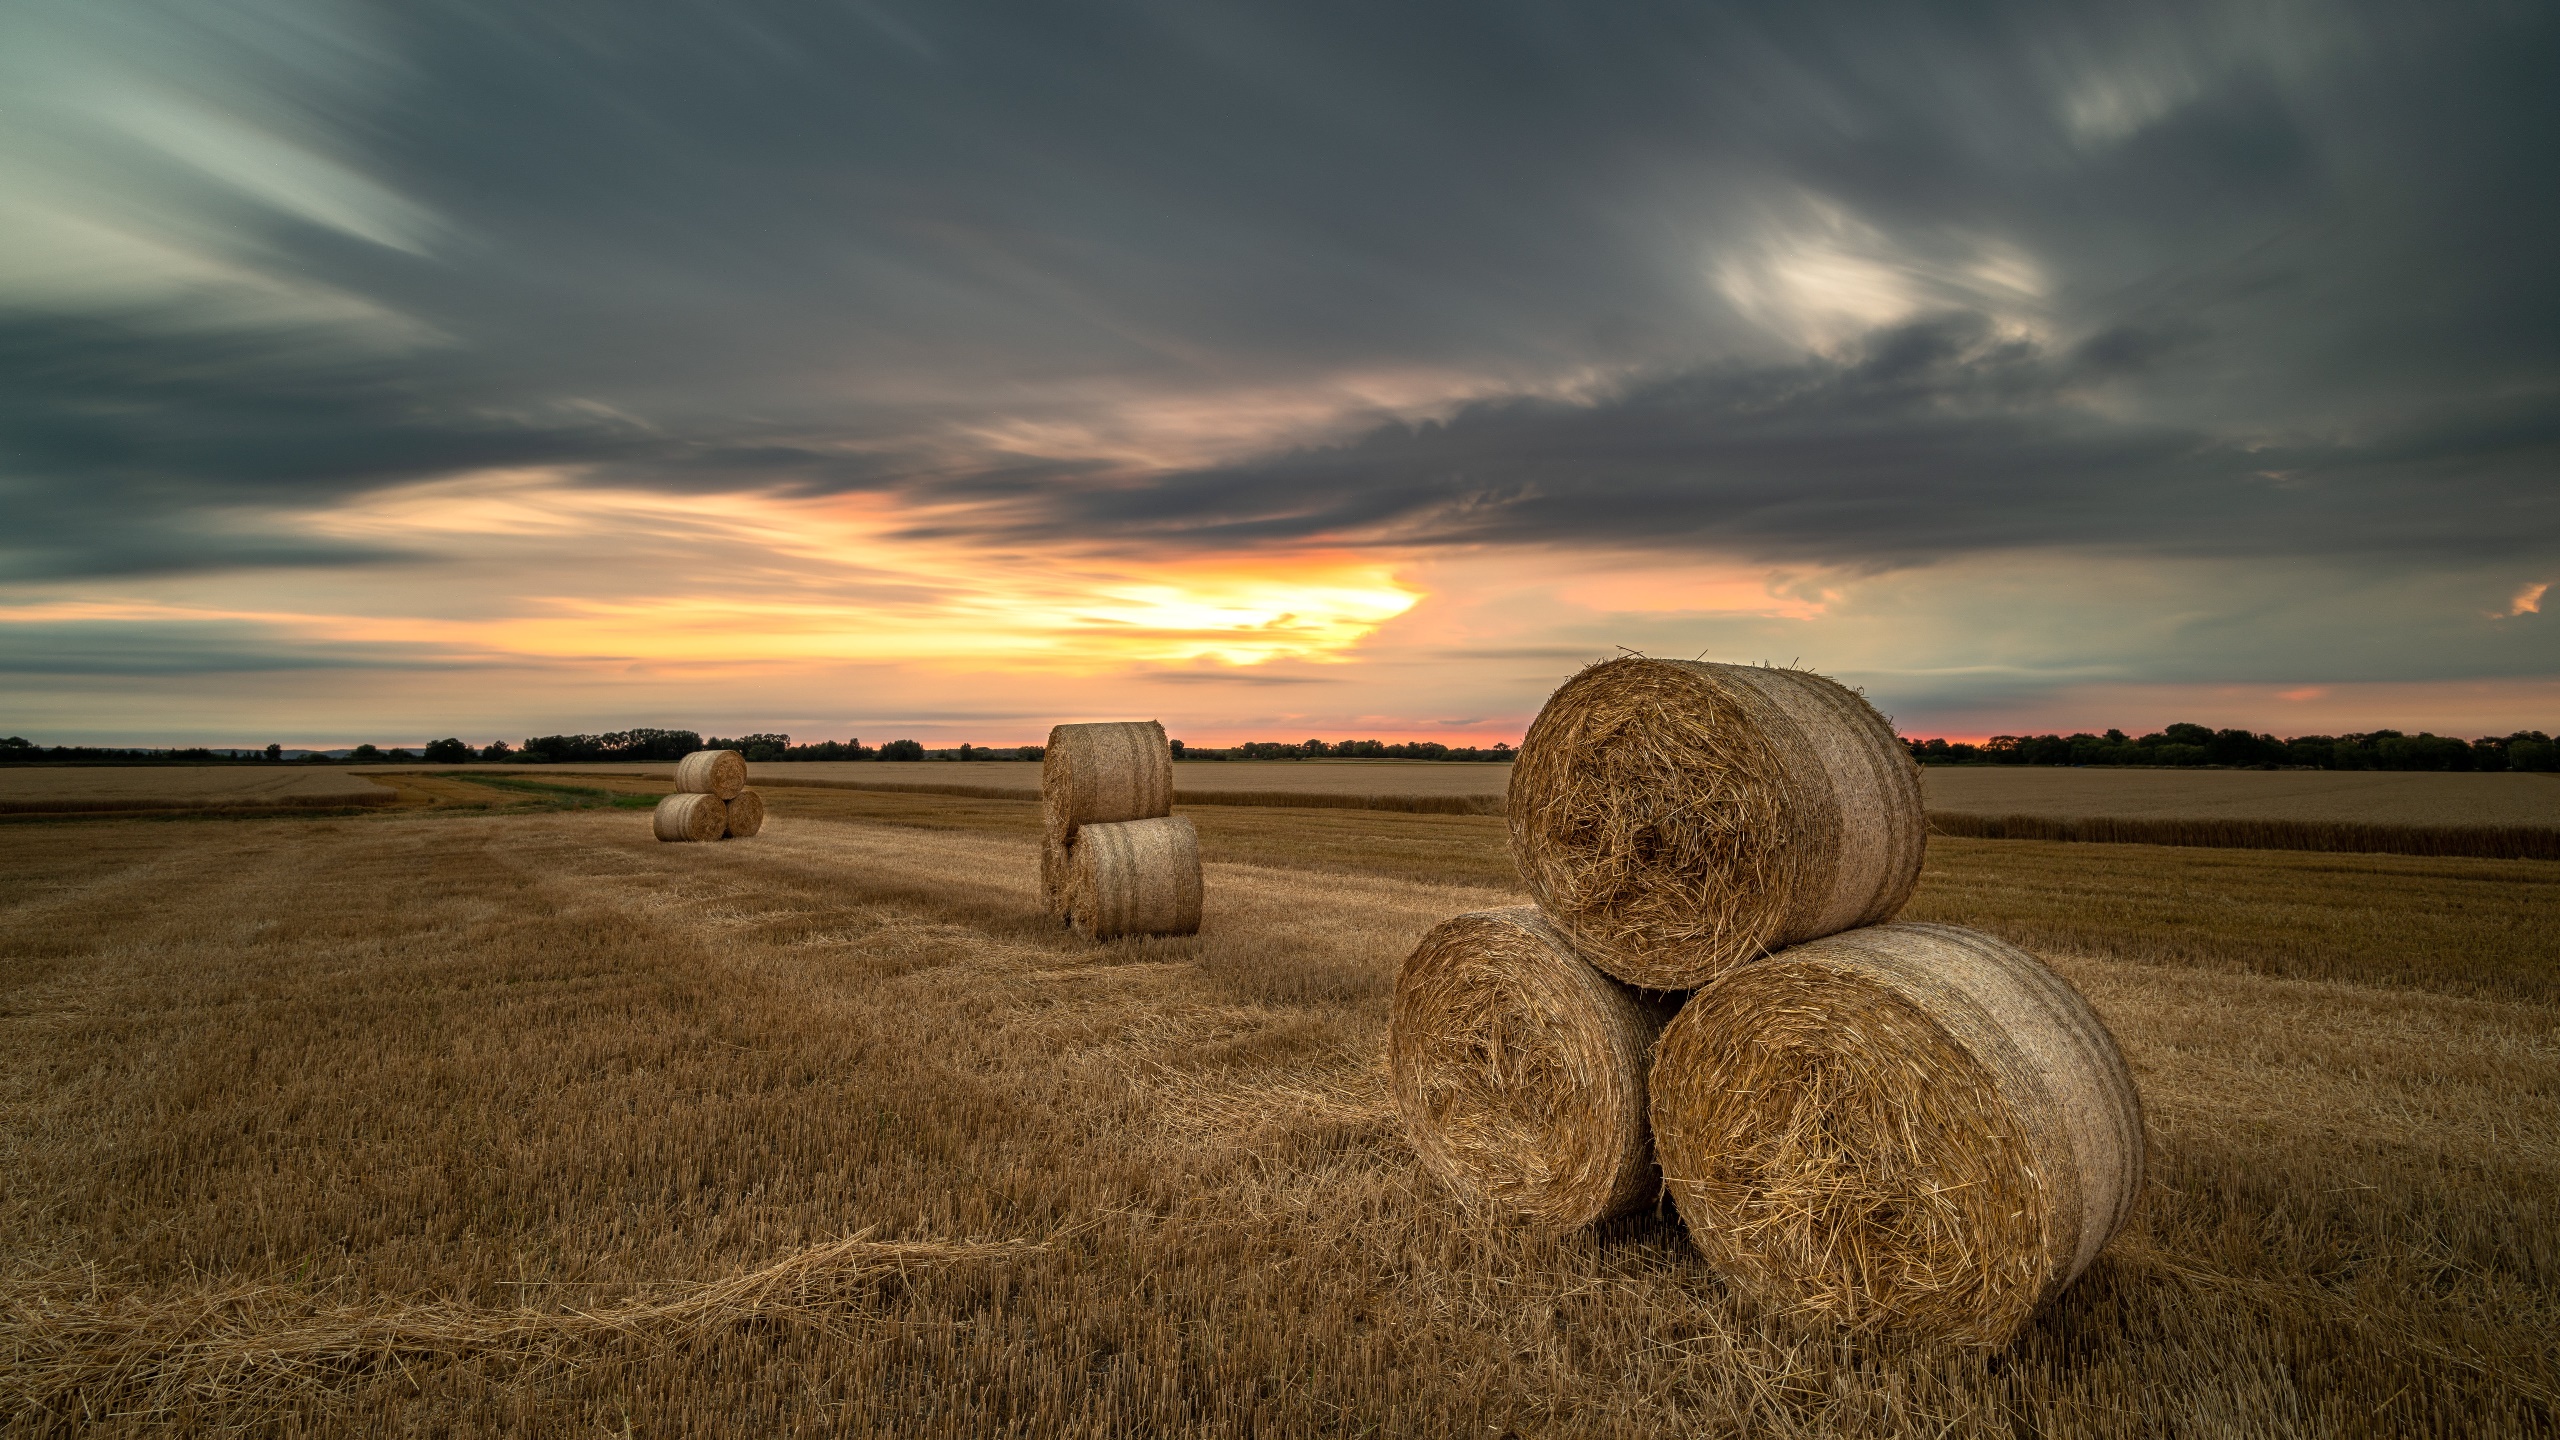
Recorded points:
(2289,290)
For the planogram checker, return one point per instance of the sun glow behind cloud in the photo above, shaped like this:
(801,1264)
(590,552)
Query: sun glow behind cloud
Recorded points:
(533,565)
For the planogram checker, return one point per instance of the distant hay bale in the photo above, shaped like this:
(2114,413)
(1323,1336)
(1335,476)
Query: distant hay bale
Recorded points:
(1103,773)
(1520,1070)
(1057,857)
(1676,818)
(691,815)
(712,772)
(1135,877)
(1909,1127)
(746,815)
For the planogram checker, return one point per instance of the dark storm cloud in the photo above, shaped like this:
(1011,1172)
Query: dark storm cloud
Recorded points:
(2196,277)
(1941,440)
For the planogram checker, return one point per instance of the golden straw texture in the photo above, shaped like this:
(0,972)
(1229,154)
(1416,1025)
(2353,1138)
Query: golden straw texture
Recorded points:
(1912,1127)
(712,772)
(1135,877)
(746,815)
(1097,774)
(691,816)
(1676,818)
(1057,860)
(1521,1070)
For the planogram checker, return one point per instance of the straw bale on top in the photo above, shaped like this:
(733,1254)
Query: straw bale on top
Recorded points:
(1520,1070)
(1135,877)
(1676,818)
(690,815)
(1910,1127)
(1103,773)
(712,772)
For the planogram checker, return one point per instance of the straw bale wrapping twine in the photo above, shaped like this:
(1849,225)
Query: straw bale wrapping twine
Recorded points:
(1912,1126)
(1135,877)
(1120,770)
(1521,1070)
(712,772)
(1677,818)
(691,816)
(746,815)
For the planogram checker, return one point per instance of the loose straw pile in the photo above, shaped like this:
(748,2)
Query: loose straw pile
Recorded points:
(1874,1126)
(1114,860)
(711,800)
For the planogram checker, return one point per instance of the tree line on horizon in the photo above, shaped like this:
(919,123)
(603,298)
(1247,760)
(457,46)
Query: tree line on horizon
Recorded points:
(2190,745)
(2178,745)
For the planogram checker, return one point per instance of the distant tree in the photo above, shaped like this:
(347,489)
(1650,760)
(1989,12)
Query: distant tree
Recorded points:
(396,753)
(448,751)
(1176,744)
(902,750)
(275,752)
(18,747)
(829,750)
(365,752)
(496,750)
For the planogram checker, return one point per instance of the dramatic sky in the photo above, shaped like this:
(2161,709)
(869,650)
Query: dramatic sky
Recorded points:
(379,372)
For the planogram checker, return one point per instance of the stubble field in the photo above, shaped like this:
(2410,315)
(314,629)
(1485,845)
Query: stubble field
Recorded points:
(510,1119)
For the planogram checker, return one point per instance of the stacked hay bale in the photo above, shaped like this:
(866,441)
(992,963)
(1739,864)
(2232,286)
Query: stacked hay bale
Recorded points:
(1875,1125)
(711,800)
(1114,859)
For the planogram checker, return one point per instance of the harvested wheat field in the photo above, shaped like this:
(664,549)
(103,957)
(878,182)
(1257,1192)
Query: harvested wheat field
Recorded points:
(2373,797)
(61,789)
(494,1115)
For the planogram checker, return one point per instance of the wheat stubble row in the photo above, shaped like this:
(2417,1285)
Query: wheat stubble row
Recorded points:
(509,1066)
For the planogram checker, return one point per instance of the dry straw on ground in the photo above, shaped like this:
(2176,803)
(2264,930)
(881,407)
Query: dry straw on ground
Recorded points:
(712,772)
(1677,818)
(1135,877)
(1910,1127)
(746,815)
(691,816)
(1520,1070)
(253,1344)
(1101,773)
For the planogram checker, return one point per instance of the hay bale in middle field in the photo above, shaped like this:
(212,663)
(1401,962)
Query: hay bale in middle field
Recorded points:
(1520,1070)
(691,815)
(1102,773)
(712,772)
(1677,818)
(1912,1127)
(746,815)
(1135,877)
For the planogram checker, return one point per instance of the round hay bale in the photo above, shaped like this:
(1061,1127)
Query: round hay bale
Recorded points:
(712,772)
(1676,818)
(1103,773)
(1057,858)
(746,815)
(1520,1070)
(1135,877)
(1912,1127)
(691,815)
